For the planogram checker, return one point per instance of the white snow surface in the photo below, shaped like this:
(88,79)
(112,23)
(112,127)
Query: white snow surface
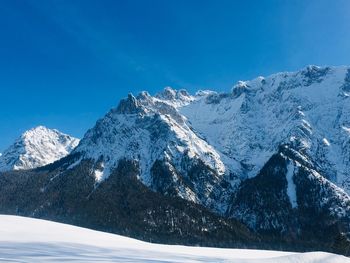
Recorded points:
(37,147)
(33,240)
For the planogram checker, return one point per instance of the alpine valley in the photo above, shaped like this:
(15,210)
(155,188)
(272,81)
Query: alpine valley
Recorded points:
(266,165)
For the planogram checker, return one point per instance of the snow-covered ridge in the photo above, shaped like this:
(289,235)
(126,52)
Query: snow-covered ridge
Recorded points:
(26,240)
(37,147)
(145,128)
(308,109)
(149,130)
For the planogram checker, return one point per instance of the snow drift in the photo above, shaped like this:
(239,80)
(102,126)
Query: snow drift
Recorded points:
(27,239)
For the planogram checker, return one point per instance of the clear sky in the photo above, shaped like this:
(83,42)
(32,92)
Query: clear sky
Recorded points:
(65,63)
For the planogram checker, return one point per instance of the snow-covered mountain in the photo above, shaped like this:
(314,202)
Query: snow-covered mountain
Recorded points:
(206,147)
(273,153)
(308,110)
(37,147)
(169,153)
(232,134)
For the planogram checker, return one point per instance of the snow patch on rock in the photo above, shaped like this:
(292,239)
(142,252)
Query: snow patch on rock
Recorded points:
(291,189)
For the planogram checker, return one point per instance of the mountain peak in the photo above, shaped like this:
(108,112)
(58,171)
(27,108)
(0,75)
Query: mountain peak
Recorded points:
(168,93)
(37,147)
(129,105)
(38,130)
(175,97)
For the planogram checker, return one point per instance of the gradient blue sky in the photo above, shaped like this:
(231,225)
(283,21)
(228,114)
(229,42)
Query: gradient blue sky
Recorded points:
(63,64)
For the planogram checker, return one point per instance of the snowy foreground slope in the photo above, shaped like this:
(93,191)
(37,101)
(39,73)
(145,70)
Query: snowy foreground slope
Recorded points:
(27,239)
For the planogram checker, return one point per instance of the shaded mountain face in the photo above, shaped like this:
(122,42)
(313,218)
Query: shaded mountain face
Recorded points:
(273,154)
(290,198)
(37,147)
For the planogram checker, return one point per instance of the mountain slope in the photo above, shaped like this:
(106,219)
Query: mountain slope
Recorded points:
(172,159)
(37,147)
(289,132)
(308,109)
(288,198)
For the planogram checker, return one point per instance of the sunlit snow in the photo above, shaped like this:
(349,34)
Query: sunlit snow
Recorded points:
(37,147)
(33,240)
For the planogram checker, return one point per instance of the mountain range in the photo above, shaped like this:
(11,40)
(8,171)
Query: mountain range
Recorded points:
(265,165)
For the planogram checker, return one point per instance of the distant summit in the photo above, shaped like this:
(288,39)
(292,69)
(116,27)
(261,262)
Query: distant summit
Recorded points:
(37,147)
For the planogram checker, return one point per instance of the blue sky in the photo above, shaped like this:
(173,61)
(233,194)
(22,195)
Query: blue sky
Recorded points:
(63,64)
